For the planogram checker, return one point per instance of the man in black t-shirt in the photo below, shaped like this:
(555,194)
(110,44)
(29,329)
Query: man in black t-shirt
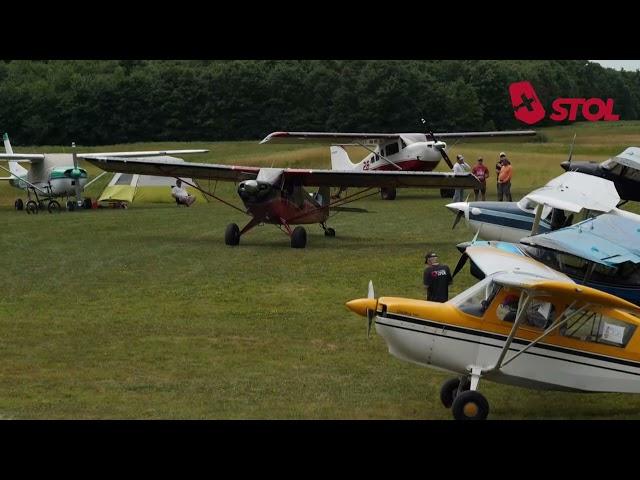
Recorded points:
(436,279)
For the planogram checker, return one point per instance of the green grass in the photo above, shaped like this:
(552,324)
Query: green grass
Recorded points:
(145,313)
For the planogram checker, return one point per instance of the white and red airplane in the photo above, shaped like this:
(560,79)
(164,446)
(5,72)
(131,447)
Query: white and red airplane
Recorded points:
(387,151)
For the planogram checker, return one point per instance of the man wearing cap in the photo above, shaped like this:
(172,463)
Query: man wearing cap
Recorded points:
(504,179)
(436,279)
(460,167)
(481,172)
(498,168)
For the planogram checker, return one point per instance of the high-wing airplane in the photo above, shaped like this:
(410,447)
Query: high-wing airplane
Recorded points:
(57,175)
(387,151)
(524,324)
(545,209)
(278,196)
(623,170)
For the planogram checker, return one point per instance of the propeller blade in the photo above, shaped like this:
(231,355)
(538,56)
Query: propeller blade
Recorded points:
(370,315)
(463,260)
(370,292)
(78,189)
(475,237)
(459,215)
(571,149)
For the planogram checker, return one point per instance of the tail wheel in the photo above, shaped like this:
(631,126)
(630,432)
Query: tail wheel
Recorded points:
(232,234)
(330,232)
(53,206)
(86,203)
(19,204)
(298,238)
(470,405)
(388,193)
(32,207)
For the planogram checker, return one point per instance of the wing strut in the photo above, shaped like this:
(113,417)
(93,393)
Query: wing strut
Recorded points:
(25,181)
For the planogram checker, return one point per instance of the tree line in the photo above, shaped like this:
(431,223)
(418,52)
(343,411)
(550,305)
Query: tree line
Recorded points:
(96,102)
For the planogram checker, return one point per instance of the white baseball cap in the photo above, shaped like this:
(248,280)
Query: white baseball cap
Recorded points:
(502,154)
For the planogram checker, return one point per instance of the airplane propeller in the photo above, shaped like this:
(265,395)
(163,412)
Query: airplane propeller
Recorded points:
(459,216)
(370,313)
(76,174)
(440,146)
(567,165)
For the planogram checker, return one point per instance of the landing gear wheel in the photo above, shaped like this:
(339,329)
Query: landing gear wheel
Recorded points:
(32,207)
(388,193)
(19,204)
(470,405)
(53,206)
(448,391)
(232,234)
(71,206)
(447,192)
(330,232)
(298,238)
(86,203)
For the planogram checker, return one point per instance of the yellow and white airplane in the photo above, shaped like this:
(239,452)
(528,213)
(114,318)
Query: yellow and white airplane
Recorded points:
(524,324)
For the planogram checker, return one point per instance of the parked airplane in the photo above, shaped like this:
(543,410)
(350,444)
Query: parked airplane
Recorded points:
(543,210)
(623,170)
(524,324)
(57,175)
(387,151)
(277,195)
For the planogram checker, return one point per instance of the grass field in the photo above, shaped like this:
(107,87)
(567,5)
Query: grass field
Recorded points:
(145,313)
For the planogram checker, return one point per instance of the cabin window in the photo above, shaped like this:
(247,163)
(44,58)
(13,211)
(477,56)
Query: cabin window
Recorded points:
(392,148)
(595,327)
(477,299)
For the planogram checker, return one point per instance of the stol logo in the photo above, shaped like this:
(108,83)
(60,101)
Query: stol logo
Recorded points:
(528,108)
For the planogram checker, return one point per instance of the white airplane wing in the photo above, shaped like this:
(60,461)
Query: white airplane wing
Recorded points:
(343,138)
(140,154)
(573,191)
(306,177)
(491,260)
(21,157)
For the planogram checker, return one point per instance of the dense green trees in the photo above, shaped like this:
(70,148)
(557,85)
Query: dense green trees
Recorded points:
(105,102)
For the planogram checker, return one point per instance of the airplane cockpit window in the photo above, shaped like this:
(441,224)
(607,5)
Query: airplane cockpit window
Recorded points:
(477,299)
(539,314)
(526,204)
(392,148)
(595,327)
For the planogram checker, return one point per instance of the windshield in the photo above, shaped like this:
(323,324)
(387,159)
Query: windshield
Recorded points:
(475,300)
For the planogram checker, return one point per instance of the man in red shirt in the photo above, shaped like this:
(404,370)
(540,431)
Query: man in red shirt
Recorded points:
(482,172)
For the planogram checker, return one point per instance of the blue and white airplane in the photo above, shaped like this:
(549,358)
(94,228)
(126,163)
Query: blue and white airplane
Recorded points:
(554,206)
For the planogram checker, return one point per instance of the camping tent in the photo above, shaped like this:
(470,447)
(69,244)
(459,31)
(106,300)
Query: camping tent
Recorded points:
(128,188)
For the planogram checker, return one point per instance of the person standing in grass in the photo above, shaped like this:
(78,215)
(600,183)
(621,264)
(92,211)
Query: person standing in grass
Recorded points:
(436,278)
(460,167)
(498,168)
(481,171)
(504,180)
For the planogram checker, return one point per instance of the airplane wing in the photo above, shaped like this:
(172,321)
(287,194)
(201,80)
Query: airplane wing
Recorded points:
(168,168)
(306,177)
(566,289)
(607,239)
(21,157)
(573,191)
(140,154)
(342,138)
(491,260)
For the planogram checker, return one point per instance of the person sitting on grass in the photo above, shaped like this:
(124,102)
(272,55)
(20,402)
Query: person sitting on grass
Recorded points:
(181,195)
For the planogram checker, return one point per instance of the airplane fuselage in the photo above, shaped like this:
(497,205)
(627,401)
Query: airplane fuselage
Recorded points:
(419,156)
(442,337)
(53,176)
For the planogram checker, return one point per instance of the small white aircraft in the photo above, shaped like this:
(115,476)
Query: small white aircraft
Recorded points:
(543,210)
(387,151)
(524,324)
(56,175)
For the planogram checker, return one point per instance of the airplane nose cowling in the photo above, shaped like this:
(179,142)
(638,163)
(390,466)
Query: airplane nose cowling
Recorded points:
(566,165)
(458,207)
(361,305)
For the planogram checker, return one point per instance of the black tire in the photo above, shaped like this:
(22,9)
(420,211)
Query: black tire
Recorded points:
(32,207)
(470,405)
(232,234)
(330,232)
(53,206)
(86,203)
(19,204)
(388,193)
(448,391)
(447,192)
(71,206)
(298,238)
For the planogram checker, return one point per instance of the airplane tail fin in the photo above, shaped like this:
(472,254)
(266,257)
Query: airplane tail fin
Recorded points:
(340,159)
(14,167)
